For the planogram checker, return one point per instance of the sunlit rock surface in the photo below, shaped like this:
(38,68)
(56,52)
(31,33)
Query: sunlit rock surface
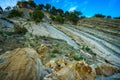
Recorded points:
(21,64)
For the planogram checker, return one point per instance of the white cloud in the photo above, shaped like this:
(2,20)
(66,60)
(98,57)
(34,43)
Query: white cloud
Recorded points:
(5,3)
(72,8)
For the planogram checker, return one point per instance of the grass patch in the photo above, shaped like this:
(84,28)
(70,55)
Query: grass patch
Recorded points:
(78,57)
(53,55)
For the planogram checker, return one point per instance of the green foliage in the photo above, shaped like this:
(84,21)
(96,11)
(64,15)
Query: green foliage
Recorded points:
(20,30)
(60,11)
(73,16)
(52,17)
(48,6)
(8,8)
(59,18)
(116,17)
(82,17)
(53,55)
(1,10)
(86,48)
(26,4)
(15,13)
(55,50)
(78,57)
(22,4)
(99,15)
(53,10)
(37,15)
(31,3)
(40,7)
(108,17)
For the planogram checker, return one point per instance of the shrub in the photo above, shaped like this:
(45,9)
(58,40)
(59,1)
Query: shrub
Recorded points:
(77,57)
(15,13)
(53,55)
(109,17)
(86,48)
(55,51)
(99,15)
(59,19)
(48,6)
(116,17)
(37,15)
(20,30)
(73,16)
(52,17)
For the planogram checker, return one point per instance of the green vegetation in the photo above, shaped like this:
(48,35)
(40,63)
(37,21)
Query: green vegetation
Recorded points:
(53,55)
(59,19)
(40,7)
(117,17)
(26,4)
(37,15)
(55,14)
(73,16)
(8,8)
(99,15)
(52,17)
(78,57)
(86,48)
(20,30)
(15,13)
(108,17)
(48,6)
(1,10)
(55,50)
(53,11)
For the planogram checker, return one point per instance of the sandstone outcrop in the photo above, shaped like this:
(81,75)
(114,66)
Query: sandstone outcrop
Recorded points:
(21,64)
(75,70)
(105,70)
(43,52)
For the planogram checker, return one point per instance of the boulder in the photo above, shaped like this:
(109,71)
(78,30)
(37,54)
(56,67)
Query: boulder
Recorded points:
(105,70)
(75,70)
(21,64)
(43,52)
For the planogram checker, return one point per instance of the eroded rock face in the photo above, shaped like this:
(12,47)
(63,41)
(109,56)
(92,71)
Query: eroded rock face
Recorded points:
(75,70)
(21,64)
(105,69)
(43,52)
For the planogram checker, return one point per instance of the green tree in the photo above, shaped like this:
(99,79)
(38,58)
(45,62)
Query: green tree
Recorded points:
(117,17)
(53,10)
(1,10)
(37,15)
(22,4)
(60,11)
(66,14)
(8,8)
(20,30)
(74,16)
(52,17)
(99,15)
(59,18)
(40,7)
(48,6)
(15,13)
(108,17)
(31,3)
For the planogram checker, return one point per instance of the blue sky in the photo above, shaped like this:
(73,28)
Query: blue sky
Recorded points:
(87,7)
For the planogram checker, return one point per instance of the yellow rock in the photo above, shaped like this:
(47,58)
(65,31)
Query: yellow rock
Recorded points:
(56,65)
(43,52)
(21,64)
(77,70)
(105,69)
